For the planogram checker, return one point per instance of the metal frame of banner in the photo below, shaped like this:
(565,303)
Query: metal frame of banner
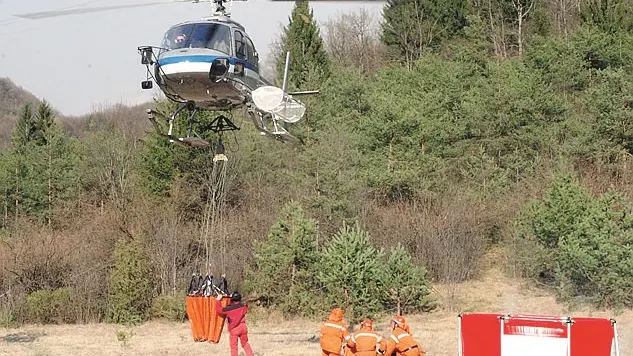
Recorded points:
(615,337)
(503,322)
(569,321)
(460,352)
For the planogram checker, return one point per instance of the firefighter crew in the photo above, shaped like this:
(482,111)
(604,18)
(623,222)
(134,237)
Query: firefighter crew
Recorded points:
(401,342)
(236,317)
(367,342)
(334,333)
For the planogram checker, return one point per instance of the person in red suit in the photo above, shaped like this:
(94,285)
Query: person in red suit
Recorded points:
(235,314)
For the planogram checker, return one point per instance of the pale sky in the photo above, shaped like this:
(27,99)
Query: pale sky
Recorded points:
(83,62)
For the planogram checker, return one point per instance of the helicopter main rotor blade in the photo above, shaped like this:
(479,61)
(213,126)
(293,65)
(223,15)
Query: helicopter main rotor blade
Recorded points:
(47,14)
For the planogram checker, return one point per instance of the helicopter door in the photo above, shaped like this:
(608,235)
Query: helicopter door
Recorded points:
(240,46)
(251,55)
(240,49)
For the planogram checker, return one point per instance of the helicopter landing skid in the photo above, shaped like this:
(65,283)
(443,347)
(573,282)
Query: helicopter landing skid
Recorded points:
(277,131)
(189,140)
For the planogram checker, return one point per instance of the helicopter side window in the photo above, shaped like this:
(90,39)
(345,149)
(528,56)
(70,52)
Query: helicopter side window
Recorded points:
(251,55)
(240,45)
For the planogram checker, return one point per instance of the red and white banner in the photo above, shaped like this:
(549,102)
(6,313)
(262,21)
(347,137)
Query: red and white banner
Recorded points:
(523,335)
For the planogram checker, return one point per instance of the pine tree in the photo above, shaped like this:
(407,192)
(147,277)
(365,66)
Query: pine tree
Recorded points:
(24,133)
(33,127)
(609,15)
(129,284)
(283,272)
(406,285)
(309,62)
(44,121)
(25,127)
(351,271)
(62,156)
(43,164)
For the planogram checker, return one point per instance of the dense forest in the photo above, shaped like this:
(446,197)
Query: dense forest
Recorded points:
(442,129)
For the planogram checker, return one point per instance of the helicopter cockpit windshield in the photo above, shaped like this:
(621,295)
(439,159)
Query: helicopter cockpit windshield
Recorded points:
(198,35)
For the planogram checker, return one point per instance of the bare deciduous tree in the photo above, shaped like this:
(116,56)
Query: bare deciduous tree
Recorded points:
(523,9)
(497,29)
(352,39)
(270,64)
(566,13)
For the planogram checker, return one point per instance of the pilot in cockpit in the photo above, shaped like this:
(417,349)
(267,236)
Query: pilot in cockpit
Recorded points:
(222,45)
(180,39)
(221,40)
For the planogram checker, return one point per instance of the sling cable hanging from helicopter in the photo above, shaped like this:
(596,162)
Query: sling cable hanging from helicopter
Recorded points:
(215,209)
(206,323)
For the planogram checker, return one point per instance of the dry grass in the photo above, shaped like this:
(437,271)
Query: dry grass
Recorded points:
(491,292)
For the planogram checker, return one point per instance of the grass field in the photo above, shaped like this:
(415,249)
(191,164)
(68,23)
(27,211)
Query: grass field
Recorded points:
(437,331)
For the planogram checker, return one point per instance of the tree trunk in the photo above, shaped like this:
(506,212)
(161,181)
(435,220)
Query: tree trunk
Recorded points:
(17,194)
(520,34)
(497,33)
(563,14)
(522,13)
(292,280)
(504,51)
(6,207)
(173,263)
(390,157)
(50,185)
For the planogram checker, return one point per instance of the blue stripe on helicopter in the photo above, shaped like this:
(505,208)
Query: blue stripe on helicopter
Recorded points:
(201,58)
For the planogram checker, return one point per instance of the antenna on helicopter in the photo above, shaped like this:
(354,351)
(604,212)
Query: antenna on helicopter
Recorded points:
(220,9)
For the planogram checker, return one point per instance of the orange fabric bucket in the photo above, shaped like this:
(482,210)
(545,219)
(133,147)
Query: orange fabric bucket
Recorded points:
(206,324)
(217,320)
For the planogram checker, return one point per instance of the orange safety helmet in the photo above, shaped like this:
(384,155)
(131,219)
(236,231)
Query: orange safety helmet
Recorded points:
(337,314)
(367,323)
(398,320)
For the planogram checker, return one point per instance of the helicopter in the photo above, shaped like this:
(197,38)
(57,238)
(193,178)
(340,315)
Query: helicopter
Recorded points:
(211,64)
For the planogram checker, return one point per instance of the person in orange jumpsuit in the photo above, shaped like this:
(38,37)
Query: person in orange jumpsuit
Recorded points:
(334,333)
(401,342)
(367,342)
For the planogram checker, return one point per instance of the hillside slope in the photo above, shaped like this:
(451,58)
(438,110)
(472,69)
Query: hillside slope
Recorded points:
(12,98)
(131,119)
(491,292)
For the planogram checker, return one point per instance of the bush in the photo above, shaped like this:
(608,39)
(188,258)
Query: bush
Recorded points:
(8,309)
(7,318)
(50,306)
(170,307)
